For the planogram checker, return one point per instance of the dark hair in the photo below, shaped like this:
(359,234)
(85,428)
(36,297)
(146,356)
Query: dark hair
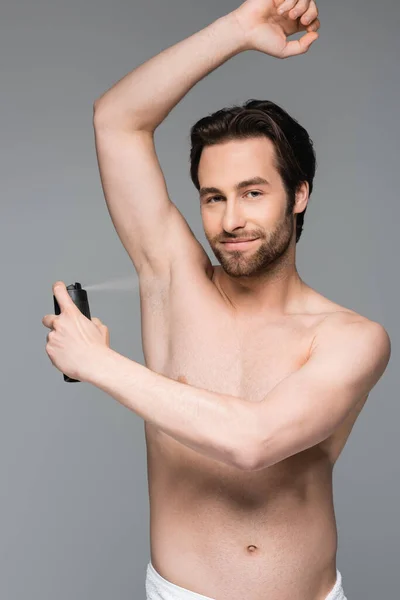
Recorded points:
(294,153)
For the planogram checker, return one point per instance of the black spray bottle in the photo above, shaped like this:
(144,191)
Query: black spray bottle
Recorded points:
(80,299)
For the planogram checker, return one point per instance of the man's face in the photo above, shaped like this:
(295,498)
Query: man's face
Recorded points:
(257,210)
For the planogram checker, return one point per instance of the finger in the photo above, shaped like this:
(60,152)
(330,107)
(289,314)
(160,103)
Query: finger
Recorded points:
(298,10)
(49,321)
(314,26)
(49,337)
(99,323)
(300,46)
(63,298)
(310,15)
(103,328)
(286,5)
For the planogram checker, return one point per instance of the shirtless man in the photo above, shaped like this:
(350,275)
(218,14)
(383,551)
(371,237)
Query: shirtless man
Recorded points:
(253,380)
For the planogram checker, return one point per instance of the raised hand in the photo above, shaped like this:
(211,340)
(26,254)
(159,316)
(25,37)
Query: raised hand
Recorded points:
(268,23)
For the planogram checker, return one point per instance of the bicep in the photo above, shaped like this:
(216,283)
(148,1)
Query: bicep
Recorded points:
(149,225)
(308,406)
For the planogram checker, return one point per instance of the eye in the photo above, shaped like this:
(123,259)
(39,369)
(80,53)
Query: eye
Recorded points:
(214,197)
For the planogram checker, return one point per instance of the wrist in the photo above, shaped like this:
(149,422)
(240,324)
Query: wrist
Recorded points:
(242,33)
(237,31)
(97,366)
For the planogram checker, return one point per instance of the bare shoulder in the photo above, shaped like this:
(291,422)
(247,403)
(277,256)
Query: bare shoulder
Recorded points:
(358,348)
(347,321)
(339,323)
(363,340)
(333,314)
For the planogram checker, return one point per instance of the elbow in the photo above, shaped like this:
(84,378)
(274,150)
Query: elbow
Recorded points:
(249,459)
(96,105)
(100,115)
(247,463)
(99,102)
(106,115)
(107,118)
(250,443)
(260,452)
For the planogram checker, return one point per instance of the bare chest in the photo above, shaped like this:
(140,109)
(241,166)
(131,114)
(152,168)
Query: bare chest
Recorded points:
(189,334)
(193,337)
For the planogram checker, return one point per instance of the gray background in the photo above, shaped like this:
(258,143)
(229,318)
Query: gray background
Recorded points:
(74,506)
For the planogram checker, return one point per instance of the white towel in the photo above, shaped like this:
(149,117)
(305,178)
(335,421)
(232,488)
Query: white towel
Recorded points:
(158,588)
(337,592)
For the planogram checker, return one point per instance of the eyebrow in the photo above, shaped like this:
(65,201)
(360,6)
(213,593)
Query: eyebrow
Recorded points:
(238,186)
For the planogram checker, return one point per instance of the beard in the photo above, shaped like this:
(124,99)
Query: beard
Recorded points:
(263,260)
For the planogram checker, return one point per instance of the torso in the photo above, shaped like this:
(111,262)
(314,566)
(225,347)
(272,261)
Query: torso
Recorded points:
(217,530)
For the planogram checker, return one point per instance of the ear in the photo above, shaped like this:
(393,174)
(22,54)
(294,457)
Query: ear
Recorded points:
(301,197)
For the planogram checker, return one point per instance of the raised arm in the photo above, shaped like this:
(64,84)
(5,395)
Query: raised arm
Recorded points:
(151,228)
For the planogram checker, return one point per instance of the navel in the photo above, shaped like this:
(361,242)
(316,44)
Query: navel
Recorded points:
(251,548)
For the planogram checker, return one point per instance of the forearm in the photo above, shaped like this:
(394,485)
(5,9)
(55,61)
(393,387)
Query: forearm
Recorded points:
(217,425)
(144,97)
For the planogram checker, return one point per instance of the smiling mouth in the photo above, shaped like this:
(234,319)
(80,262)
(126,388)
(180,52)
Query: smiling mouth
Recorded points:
(238,245)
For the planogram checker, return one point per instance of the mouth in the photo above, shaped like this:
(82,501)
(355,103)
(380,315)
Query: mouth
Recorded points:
(233,245)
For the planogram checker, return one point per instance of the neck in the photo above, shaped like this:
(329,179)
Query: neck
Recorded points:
(279,291)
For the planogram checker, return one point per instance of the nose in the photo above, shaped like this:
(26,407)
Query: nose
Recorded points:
(233,217)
